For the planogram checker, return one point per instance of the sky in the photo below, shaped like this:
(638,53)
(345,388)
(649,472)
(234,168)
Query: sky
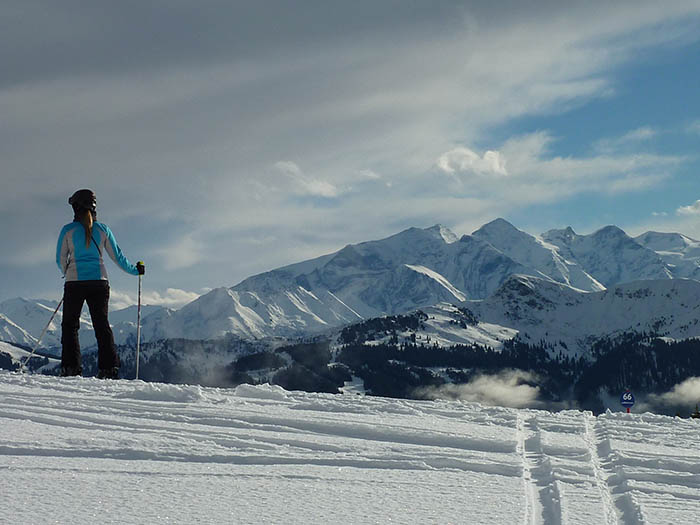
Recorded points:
(225,138)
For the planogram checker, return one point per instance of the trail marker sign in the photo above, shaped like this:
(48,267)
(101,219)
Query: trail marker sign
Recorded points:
(627,400)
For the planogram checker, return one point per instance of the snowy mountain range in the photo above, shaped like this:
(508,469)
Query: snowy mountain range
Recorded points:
(419,268)
(22,321)
(579,316)
(422,267)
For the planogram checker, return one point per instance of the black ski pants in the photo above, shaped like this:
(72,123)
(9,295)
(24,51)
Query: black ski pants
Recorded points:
(96,294)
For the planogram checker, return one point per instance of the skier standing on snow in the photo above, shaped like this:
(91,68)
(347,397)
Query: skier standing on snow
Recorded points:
(81,245)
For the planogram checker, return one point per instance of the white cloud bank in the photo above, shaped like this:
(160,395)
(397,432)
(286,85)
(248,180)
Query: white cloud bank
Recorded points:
(685,393)
(509,388)
(683,398)
(463,160)
(304,185)
(171,298)
(533,175)
(692,210)
(185,252)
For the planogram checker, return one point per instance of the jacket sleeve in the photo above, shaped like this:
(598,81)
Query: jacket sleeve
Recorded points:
(116,253)
(62,252)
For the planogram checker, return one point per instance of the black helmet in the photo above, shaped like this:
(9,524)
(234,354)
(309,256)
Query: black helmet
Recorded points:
(84,200)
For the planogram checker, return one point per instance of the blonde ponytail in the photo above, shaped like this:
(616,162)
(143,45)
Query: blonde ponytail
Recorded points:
(87,222)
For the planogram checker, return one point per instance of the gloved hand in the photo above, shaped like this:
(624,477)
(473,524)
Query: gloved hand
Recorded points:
(141,267)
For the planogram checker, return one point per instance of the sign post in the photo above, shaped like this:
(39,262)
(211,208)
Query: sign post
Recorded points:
(627,400)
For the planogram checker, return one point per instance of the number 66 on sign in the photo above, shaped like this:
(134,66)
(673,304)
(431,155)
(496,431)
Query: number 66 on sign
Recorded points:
(627,400)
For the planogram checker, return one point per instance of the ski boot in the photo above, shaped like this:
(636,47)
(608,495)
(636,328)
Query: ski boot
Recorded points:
(67,371)
(108,373)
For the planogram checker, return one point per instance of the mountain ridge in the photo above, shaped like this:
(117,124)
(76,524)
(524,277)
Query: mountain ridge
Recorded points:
(411,269)
(379,277)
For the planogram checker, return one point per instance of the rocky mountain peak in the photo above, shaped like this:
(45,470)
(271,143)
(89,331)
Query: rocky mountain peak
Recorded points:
(497,227)
(443,233)
(560,237)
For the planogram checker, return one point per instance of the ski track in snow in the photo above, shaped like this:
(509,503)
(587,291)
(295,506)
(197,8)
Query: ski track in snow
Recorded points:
(83,451)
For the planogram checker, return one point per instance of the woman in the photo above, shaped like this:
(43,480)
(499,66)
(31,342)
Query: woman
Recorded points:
(79,252)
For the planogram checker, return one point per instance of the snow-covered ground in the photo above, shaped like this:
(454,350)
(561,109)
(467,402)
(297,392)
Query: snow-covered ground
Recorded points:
(88,451)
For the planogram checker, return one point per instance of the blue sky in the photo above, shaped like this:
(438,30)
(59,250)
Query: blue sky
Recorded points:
(224,139)
(656,94)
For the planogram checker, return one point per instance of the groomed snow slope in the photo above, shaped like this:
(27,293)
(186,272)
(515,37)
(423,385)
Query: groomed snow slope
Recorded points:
(88,451)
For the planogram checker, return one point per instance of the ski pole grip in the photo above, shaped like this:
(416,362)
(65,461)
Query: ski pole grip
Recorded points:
(141,267)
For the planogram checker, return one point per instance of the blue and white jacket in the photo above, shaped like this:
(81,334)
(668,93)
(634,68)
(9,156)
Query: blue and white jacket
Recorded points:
(78,262)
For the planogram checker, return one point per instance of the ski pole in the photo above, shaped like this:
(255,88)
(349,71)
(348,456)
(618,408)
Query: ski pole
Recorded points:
(138,329)
(38,341)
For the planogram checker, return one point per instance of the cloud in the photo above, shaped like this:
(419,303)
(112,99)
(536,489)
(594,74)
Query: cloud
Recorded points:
(184,252)
(370,174)
(643,133)
(686,224)
(306,185)
(685,393)
(682,398)
(171,298)
(509,388)
(630,139)
(605,173)
(693,209)
(177,133)
(32,252)
(536,176)
(694,127)
(463,160)
(289,168)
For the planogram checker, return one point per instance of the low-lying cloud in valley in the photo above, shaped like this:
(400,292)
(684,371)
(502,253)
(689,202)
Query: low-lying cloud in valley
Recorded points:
(509,388)
(681,399)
